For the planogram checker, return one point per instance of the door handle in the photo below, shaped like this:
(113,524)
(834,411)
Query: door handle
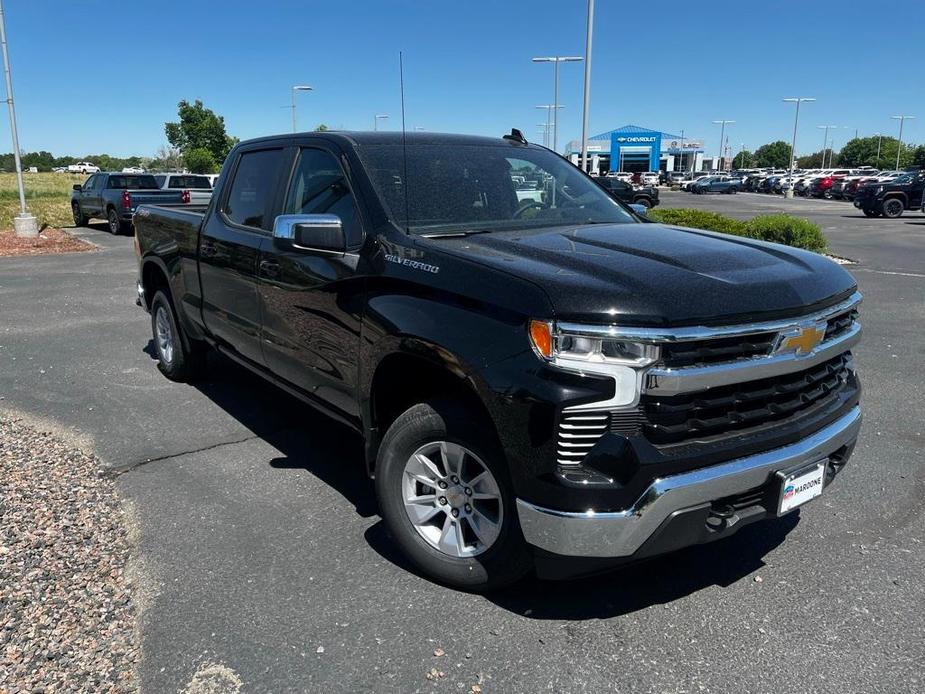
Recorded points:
(269,268)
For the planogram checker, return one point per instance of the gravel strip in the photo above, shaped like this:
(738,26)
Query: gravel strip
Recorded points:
(66,619)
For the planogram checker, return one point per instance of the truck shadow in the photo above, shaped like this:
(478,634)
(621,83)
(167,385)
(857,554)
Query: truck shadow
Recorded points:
(632,587)
(307,439)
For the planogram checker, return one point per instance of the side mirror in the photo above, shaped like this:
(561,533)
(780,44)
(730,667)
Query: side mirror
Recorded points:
(312,232)
(77,186)
(641,210)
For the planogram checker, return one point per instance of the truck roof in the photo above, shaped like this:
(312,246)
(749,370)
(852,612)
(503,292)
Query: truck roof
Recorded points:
(393,137)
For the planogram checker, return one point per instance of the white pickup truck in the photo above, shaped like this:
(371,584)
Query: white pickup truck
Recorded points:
(199,187)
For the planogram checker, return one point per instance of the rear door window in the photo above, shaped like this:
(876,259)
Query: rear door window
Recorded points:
(253,189)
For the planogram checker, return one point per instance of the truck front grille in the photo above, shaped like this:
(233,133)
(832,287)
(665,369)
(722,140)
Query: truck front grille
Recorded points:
(718,350)
(726,409)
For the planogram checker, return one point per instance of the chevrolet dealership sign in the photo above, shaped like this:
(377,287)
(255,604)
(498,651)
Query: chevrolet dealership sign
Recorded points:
(635,150)
(641,139)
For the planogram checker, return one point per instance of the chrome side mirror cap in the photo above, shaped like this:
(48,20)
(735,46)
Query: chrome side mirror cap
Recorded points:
(322,233)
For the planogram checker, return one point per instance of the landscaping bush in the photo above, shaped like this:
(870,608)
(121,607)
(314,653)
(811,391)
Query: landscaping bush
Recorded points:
(778,228)
(791,231)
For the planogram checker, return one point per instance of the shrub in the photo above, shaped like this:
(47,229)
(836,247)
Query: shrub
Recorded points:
(791,231)
(699,219)
(777,228)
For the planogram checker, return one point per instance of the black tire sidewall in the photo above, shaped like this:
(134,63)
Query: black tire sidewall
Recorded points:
(509,558)
(109,221)
(79,218)
(883,208)
(177,369)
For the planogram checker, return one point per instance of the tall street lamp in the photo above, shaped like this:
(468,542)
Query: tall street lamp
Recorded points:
(722,135)
(793,143)
(550,110)
(377,118)
(586,100)
(297,88)
(825,142)
(902,121)
(25,224)
(555,60)
(879,141)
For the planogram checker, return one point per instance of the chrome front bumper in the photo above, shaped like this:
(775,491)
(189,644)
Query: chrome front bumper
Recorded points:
(621,533)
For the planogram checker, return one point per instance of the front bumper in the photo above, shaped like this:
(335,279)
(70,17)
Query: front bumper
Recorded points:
(623,533)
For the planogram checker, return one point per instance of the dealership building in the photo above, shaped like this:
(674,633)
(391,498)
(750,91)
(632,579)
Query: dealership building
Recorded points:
(632,148)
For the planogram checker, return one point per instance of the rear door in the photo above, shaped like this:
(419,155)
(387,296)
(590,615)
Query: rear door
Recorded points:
(229,247)
(312,300)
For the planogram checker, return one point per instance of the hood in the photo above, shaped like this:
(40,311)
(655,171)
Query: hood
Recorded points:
(651,274)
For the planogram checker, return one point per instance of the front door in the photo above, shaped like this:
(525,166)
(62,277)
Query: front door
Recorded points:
(229,247)
(312,300)
(90,195)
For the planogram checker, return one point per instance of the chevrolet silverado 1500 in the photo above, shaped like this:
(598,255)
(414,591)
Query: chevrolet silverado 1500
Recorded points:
(540,384)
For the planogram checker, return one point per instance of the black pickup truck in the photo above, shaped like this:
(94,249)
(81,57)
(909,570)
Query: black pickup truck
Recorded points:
(647,196)
(549,385)
(891,198)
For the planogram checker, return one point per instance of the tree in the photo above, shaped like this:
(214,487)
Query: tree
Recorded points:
(742,160)
(200,161)
(199,128)
(773,154)
(321,128)
(918,156)
(862,151)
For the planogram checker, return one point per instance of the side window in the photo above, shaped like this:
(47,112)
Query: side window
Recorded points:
(90,183)
(160,181)
(320,187)
(253,188)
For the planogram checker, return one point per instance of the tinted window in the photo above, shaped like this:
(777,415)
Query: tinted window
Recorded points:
(133,182)
(186,181)
(160,180)
(320,187)
(471,187)
(253,188)
(91,182)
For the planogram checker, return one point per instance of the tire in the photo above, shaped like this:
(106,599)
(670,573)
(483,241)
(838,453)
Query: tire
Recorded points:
(891,208)
(429,429)
(870,213)
(79,217)
(645,202)
(179,358)
(116,226)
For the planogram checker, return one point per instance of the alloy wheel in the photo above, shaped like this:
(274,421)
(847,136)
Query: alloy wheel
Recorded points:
(452,499)
(164,335)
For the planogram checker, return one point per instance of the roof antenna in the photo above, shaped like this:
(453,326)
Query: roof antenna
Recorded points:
(404,147)
(516,136)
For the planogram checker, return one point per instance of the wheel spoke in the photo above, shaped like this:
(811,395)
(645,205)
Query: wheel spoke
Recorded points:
(485,529)
(451,540)
(421,509)
(422,468)
(453,457)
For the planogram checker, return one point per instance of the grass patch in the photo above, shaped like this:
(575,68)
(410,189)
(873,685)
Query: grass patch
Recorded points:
(48,197)
(777,228)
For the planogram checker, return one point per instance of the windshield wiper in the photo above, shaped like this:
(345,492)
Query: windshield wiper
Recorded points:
(451,234)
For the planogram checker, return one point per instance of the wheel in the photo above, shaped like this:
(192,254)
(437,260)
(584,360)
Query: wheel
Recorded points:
(870,213)
(827,195)
(446,497)
(115,223)
(645,202)
(892,208)
(79,218)
(178,357)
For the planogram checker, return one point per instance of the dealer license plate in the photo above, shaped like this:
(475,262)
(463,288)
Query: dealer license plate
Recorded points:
(800,486)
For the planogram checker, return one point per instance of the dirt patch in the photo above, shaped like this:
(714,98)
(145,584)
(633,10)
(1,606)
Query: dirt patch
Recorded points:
(49,241)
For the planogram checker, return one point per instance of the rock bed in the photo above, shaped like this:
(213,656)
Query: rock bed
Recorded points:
(66,618)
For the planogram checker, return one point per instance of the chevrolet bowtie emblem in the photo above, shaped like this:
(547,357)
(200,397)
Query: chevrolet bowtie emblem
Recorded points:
(801,340)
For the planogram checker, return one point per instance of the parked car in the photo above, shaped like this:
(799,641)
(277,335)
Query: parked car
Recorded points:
(525,396)
(199,186)
(133,170)
(692,178)
(890,199)
(647,196)
(649,178)
(716,184)
(115,197)
(83,167)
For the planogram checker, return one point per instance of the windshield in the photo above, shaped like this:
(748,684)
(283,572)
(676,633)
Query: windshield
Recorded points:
(903,179)
(479,188)
(133,182)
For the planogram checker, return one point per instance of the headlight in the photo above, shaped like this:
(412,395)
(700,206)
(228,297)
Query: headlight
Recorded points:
(591,350)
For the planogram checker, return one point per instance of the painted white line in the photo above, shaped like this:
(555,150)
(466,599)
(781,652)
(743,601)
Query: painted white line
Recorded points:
(887,272)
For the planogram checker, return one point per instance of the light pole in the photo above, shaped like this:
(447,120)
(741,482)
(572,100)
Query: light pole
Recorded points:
(793,143)
(297,88)
(555,60)
(902,121)
(681,155)
(377,118)
(25,224)
(586,101)
(550,108)
(879,140)
(722,135)
(544,129)
(825,141)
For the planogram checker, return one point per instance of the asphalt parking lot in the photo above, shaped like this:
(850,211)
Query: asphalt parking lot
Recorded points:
(259,547)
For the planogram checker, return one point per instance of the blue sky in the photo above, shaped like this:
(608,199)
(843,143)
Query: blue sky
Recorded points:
(94,76)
